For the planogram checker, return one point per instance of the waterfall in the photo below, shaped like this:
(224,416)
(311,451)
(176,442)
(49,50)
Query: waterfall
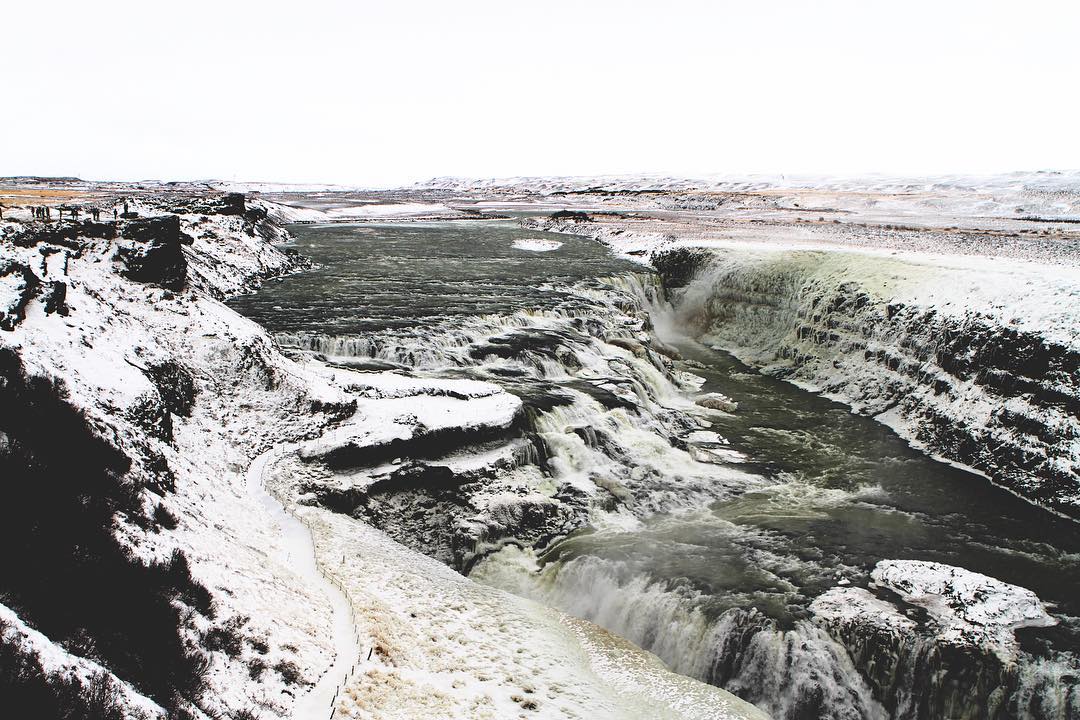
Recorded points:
(608,441)
(799,672)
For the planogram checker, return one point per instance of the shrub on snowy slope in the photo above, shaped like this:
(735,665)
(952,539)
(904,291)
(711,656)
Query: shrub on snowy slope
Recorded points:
(25,686)
(64,570)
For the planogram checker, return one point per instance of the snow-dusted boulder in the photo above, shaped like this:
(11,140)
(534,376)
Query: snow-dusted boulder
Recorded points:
(965,608)
(717,401)
(944,648)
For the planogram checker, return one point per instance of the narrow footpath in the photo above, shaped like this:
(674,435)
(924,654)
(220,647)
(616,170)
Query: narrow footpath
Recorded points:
(299,547)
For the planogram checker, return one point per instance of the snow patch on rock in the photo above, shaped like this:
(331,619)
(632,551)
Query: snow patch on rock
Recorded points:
(966,607)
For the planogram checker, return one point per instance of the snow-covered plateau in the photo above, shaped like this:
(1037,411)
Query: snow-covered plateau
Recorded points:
(146,569)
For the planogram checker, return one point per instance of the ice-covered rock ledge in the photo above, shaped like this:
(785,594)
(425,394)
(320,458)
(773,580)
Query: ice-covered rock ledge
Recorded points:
(941,644)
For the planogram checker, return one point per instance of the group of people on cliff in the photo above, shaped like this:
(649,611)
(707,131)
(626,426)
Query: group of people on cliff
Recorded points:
(44,212)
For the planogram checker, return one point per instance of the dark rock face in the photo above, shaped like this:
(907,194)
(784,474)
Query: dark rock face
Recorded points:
(679,267)
(65,479)
(25,285)
(149,414)
(175,385)
(69,234)
(571,215)
(153,412)
(255,214)
(427,506)
(54,297)
(418,506)
(225,204)
(917,672)
(915,677)
(150,251)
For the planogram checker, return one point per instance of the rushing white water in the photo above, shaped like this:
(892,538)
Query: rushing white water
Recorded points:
(710,565)
(796,672)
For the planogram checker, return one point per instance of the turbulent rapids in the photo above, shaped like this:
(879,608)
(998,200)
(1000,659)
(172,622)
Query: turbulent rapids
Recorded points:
(658,487)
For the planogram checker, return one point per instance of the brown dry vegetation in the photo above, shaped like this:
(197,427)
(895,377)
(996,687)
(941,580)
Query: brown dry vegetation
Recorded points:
(40,196)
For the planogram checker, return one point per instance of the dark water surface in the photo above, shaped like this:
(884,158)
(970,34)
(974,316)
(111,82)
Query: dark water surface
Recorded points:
(380,276)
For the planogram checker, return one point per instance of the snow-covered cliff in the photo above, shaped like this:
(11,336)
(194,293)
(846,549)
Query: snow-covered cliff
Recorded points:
(142,554)
(974,359)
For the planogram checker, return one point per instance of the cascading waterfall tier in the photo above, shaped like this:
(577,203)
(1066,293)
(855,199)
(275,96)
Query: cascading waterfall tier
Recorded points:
(607,428)
(616,497)
(606,440)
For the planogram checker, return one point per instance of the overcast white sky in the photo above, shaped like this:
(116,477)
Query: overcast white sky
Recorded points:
(381,93)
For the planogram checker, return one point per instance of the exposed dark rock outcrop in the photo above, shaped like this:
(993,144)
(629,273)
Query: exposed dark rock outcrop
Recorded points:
(21,285)
(150,251)
(915,677)
(224,204)
(63,569)
(54,297)
(571,215)
(427,507)
(938,641)
(679,266)
(175,385)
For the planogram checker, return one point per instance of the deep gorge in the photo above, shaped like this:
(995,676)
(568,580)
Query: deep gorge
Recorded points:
(615,497)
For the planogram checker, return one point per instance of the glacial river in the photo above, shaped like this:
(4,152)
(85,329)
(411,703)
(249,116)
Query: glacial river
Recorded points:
(717,586)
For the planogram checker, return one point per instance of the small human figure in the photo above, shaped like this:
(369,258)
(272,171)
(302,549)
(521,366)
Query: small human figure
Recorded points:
(125,207)
(48,214)
(114,213)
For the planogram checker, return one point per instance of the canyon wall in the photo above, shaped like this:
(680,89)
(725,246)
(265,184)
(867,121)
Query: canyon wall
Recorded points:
(966,361)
